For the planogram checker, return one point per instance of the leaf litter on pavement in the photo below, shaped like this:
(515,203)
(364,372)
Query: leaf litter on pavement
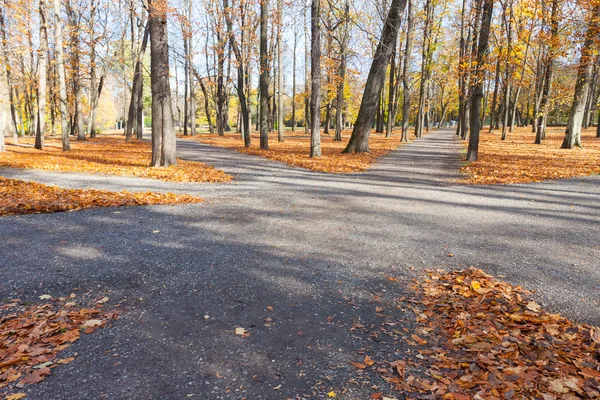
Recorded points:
(477,337)
(32,336)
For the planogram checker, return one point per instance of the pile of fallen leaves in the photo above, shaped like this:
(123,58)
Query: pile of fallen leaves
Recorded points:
(107,154)
(21,197)
(296,146)
(32,336)
(480,338)
(518,160)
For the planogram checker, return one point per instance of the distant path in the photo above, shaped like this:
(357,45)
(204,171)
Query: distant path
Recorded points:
(313,246)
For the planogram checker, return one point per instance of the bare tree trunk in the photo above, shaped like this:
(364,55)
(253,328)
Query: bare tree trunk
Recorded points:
(74,17)
(573,132)
(315,72)
(42,71)
(279,73)
(135,101)
(342,82)
(359,141)
(478,81)
(294,55)
(246,128)
(163,131)
(391,93)
(306,76)
(211,127)
(93,92)
(548,72)
(60,66)
(405,74)
(11,94)
(264,76)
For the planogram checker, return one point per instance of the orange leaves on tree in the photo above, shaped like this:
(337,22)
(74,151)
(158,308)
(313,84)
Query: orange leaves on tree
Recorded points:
(107,154)
(295,151)
(32,337)
(20,197)
(518,160)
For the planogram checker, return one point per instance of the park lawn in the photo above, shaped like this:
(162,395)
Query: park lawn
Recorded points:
(107,154)
(22,197)
(296,146)
(518,160)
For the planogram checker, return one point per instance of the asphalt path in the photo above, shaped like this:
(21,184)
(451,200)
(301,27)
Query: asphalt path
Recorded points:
(317,248)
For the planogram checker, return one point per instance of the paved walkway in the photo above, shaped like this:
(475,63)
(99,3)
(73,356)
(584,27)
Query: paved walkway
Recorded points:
(311,245)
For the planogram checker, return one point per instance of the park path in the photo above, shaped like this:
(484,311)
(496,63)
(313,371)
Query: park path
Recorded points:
(316,247)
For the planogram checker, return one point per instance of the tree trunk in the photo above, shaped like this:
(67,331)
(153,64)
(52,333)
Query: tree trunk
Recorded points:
(163,131)
(548,72)
(137,88)
(240,77)
(359,141)
(477,88)
(342,74)
(11,94)
(315,72)
(74,17)
(405,74)
(573,132)
(279,73)
(264,77)
(60,66)
(42,71)
(391,93)
(294,57)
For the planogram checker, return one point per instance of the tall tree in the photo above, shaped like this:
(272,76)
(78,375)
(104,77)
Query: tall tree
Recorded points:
(163,130)
(592,39)
(279,72)
(241,76)
(478,78)
(74,23)
(42,72)
(339,107)
(264,76)
(548,72)
(359,141)
(60,66)
(315,73)
(406,81)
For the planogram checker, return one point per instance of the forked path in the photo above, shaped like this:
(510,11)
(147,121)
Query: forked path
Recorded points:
(316,247)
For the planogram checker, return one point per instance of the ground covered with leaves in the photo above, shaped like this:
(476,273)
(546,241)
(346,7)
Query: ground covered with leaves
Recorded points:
(477,337)
(518,160)
(107,154)
(296,146)
(21,197)
(33,337)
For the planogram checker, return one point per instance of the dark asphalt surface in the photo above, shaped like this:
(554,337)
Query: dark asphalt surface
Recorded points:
(315,247)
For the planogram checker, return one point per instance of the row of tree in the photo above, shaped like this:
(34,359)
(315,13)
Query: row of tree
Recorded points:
(380,64)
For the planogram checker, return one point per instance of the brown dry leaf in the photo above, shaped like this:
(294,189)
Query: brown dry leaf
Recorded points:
(31,337)
(368,361)
(358,365)
(295,150)
(489,339)
(16,396)
(108,154)
(21,197)
(518,160)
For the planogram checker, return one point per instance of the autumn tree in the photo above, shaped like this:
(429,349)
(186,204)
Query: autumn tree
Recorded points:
(359,141)
(163,129)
